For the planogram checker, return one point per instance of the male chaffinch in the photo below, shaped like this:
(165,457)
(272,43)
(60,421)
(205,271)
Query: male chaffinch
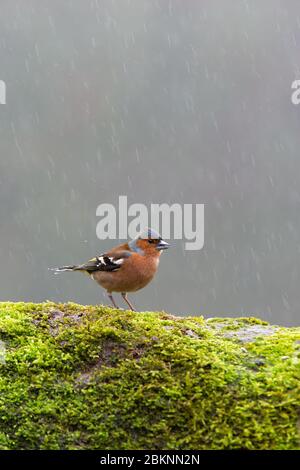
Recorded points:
(127,267)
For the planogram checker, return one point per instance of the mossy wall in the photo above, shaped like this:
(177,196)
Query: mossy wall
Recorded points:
(76,377)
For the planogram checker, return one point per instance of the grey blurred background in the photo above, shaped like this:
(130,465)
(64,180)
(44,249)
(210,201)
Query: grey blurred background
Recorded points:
(162,101)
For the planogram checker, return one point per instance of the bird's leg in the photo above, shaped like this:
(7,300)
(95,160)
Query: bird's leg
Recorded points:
(124,295)
(112,299)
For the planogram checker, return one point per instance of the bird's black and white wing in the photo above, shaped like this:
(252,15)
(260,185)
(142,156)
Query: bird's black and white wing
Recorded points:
(104,262)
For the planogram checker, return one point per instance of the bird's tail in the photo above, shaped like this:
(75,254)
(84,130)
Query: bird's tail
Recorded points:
(63,269)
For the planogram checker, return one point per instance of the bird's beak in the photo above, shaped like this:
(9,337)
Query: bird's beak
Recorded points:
(162,245)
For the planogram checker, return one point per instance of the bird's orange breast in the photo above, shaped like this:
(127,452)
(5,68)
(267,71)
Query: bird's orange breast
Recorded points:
(134,274)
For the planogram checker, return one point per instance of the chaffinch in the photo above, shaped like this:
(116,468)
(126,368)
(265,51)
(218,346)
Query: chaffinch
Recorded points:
(126,268)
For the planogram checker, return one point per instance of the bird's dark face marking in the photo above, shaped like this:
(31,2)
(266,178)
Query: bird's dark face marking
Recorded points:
(148,241)
(152,245)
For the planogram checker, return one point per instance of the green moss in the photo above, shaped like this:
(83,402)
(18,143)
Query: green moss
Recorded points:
(82,377)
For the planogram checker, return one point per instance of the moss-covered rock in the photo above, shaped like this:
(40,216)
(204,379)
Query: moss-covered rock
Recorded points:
(75,377)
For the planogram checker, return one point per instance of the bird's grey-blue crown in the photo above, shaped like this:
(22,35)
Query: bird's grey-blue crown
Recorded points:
(149,233)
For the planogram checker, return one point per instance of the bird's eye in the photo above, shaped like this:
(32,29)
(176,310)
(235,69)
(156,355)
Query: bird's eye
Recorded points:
(151,241)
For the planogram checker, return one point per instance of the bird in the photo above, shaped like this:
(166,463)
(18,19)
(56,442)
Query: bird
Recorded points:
(125,268)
